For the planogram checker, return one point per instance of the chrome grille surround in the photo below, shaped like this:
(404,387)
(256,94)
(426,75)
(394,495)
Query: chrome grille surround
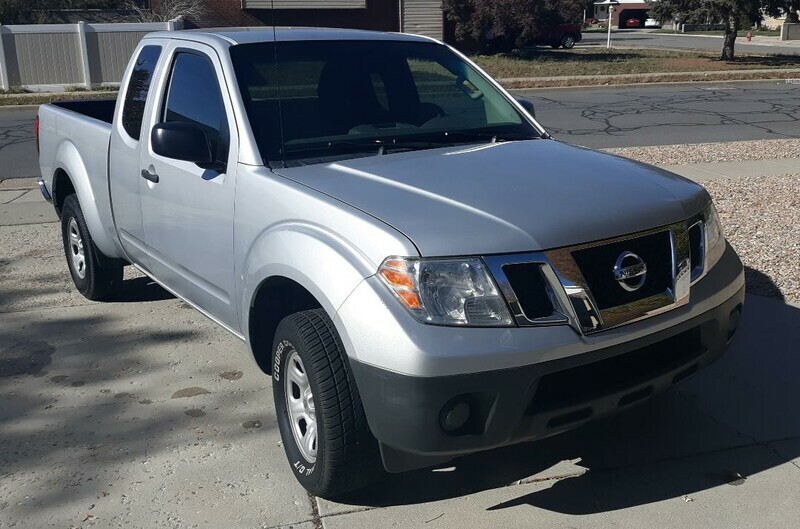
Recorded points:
(571,295)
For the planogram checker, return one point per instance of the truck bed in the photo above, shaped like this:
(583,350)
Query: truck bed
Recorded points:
(73,142)
(102,110)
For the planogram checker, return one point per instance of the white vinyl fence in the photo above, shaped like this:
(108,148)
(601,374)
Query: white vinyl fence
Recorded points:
(52,56)
(790,32)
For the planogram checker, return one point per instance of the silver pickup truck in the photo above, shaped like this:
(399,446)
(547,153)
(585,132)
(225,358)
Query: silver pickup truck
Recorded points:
(421,269)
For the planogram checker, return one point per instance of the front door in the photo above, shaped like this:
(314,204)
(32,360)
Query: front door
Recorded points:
(188,212)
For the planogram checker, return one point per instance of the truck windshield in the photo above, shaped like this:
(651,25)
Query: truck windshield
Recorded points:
(317,101)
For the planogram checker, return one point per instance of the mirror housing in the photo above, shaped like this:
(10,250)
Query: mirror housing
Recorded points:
(527,105)
(181,141)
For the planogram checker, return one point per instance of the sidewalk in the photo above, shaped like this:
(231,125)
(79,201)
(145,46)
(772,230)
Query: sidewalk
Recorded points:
(757,40)
(22,203)
(719,170)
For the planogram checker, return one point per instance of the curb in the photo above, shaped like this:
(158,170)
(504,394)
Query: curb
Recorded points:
(517,83)
(19,184)
(635,85)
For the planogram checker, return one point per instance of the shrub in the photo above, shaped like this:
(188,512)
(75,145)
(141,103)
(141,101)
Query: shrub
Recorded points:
(507,24)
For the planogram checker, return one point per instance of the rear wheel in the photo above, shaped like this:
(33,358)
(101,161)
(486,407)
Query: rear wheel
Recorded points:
(322,423)
(95,275)
(568,42)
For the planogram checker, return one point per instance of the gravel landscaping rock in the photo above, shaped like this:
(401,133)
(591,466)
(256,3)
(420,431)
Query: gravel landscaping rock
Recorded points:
(735,151)
(761,219)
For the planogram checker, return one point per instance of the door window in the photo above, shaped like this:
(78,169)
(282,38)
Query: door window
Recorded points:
(138,87)
(194,97)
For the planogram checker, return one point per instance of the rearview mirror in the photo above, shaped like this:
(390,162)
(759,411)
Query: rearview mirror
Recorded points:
(527,105)
(181,141)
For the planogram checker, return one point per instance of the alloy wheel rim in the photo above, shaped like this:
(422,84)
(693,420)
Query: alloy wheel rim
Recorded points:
(300,406)
(76,249)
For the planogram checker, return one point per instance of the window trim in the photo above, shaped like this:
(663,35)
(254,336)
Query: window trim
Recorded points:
(150,86)
(160,116)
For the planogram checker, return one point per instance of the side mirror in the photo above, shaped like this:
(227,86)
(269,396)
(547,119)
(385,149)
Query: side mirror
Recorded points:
(527,105)
(181,141)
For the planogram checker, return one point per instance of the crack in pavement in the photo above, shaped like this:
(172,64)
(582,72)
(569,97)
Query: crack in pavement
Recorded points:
(768,444)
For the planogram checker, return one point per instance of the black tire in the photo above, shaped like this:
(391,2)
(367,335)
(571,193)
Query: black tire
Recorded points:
(568,42)
(100,276)
(347,455)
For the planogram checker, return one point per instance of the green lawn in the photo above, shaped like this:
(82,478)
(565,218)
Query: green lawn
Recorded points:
(544,62)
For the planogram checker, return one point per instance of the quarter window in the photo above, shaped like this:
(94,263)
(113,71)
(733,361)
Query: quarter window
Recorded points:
(138,87)
(194,97)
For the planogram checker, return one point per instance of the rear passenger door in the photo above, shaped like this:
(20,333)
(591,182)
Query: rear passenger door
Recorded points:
(188,212)
(125,181)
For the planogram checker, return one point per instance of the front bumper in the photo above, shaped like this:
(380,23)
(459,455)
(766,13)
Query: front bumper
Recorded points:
(508,406)
(409,414)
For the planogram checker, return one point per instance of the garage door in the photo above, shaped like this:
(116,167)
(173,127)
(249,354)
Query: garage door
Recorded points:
(423,17)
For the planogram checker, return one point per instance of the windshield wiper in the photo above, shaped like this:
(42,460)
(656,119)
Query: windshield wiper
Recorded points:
(493,137)
(379,146)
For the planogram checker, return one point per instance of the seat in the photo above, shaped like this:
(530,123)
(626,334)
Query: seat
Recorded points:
(347,99)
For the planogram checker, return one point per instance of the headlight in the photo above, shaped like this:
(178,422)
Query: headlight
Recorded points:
(715,240)
(446,291)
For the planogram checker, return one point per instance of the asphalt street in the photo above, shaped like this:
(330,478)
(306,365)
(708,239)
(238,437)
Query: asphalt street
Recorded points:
(17,145)
(592,117)
(663,41)
(670,114)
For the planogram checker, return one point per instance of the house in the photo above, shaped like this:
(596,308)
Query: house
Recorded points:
(424,17)
(626,9)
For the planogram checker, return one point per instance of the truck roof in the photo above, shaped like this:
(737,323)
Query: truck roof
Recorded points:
(249,35)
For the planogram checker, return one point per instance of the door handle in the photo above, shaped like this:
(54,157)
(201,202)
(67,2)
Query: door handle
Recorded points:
(147,175)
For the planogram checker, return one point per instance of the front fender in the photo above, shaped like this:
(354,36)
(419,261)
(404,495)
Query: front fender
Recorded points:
(325,265)
(93,197)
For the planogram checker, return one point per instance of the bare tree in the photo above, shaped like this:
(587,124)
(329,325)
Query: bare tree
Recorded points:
(165,10)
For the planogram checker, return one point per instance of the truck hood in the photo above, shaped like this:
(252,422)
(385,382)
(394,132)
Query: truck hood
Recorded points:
(506,197)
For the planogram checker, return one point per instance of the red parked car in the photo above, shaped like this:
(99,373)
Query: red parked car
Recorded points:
(560,36)
(634,23)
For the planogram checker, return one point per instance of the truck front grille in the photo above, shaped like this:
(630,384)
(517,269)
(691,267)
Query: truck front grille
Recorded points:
(531,288)
(600,285)
(597,265)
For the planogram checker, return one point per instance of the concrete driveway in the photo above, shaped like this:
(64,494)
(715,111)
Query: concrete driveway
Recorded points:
(141,413)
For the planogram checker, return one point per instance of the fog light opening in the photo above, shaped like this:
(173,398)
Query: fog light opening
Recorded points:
(455,416)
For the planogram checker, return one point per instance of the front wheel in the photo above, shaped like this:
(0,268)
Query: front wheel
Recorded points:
(320,416)
(95,275)
(568,42)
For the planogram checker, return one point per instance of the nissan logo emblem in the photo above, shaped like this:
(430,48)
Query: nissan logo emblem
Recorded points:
(630,271)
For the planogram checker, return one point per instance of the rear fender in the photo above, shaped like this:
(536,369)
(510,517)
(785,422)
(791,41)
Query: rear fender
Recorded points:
(101,226)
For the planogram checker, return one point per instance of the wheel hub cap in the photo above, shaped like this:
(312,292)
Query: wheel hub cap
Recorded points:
(76,251)
(300,407)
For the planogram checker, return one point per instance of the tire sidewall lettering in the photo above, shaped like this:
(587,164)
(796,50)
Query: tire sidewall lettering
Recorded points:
(279,354)
(300,466)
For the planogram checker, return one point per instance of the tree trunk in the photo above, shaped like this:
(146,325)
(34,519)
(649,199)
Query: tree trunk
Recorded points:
(731,31)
